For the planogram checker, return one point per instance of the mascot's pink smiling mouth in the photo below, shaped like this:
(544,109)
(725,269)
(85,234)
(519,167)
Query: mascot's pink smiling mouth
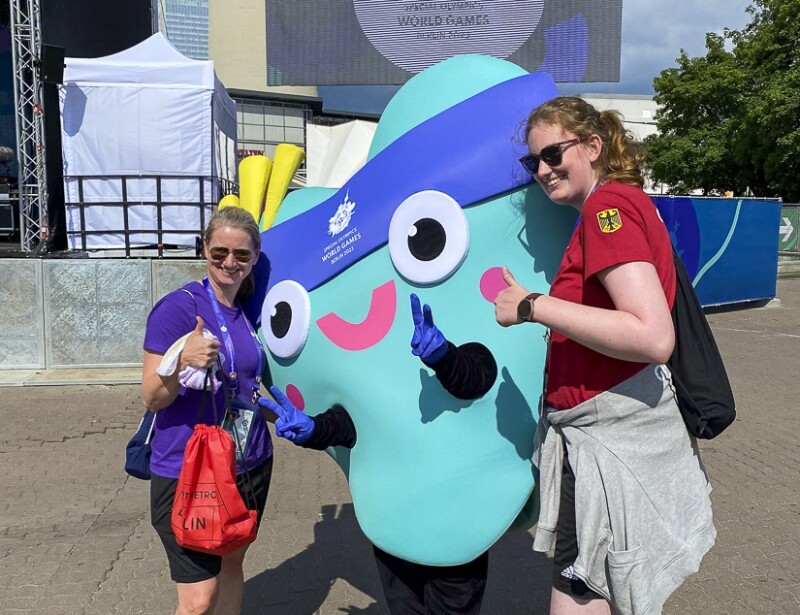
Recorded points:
(371,330)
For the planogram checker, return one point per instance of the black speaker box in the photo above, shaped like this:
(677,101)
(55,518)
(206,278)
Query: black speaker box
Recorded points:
(52,64)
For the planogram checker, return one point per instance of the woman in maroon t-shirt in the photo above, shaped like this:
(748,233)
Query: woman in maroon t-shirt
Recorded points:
(608,310)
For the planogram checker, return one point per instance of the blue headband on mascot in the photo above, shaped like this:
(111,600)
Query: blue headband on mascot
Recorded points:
(452,152)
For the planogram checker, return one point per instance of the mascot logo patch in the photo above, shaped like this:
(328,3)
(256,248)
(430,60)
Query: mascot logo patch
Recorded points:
(609,220)
(342,216)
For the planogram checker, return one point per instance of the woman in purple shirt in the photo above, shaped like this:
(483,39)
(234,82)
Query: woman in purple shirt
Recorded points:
(232,242)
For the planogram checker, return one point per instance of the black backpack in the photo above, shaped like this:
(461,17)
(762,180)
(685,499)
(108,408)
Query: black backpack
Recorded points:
(702,388)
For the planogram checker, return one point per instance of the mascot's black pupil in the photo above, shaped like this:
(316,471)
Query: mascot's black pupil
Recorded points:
(281,320)
(428,241)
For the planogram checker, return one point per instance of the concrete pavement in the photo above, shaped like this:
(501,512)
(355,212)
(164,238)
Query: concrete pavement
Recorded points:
(75,537)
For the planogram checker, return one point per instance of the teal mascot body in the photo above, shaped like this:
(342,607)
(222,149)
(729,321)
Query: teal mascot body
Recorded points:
(438,209)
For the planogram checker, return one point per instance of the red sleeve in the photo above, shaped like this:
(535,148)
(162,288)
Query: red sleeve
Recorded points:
(612,232)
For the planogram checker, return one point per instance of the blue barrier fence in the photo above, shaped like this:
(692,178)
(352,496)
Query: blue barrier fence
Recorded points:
(729,245)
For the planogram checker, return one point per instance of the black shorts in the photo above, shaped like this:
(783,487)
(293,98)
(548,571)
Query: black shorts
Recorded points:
(411,588)
(185,565)
(566,551)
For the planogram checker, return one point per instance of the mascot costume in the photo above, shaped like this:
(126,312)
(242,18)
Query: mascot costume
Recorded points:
(439,208)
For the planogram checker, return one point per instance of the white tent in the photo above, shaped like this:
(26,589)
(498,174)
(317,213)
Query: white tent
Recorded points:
(143,126)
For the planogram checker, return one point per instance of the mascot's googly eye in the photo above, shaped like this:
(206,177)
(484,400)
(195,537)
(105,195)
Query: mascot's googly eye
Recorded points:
(285,318)
(428,237)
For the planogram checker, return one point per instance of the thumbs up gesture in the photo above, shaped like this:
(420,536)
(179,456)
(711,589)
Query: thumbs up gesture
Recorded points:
(200,351)
(507,300)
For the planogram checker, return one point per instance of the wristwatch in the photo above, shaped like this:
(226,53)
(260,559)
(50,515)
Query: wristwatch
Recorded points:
(525,307)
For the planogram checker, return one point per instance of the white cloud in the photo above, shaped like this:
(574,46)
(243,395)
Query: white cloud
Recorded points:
(655,31)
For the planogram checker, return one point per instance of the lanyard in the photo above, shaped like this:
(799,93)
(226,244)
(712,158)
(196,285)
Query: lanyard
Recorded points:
(232,377)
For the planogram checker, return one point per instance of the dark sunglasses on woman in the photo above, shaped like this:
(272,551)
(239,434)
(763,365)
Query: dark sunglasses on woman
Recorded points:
(240,255)
(552,155)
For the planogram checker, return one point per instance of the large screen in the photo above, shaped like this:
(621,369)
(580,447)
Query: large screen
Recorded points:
(359,42)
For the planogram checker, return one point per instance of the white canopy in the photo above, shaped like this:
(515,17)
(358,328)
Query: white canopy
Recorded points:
(144,113)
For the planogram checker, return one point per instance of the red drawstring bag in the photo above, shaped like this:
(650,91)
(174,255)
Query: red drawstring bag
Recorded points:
(208,513)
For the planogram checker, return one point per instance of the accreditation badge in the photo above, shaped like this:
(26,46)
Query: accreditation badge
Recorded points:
(237,423)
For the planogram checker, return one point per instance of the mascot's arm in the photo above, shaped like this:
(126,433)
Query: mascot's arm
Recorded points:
(467,371)
(334,427)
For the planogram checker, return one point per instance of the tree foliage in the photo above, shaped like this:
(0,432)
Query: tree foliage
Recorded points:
(730,121)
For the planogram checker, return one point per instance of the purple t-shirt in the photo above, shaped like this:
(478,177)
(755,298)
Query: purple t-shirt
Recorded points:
(171,318)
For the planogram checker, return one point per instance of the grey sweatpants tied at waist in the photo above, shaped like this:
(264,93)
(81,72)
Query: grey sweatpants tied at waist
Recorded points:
(641,491)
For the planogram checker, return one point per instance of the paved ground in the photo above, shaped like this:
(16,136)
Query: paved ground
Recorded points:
(75,537)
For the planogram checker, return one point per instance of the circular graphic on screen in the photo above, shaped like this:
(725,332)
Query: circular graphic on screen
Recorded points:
(416,35)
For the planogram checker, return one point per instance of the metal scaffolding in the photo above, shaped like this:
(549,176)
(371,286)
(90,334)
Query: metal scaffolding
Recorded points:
(26,45)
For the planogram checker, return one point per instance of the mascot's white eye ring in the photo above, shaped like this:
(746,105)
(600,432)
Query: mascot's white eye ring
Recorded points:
(285,318)
(428,237)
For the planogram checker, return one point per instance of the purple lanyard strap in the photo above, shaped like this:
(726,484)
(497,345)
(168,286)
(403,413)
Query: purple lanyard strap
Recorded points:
(232,377)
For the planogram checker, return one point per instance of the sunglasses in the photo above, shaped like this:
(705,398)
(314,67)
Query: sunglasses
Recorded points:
(552,155)
(240,255)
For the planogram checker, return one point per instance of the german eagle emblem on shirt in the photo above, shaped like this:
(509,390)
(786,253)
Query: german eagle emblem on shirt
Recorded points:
(609,220)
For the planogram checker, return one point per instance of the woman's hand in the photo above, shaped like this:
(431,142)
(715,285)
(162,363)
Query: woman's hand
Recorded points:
(160,391)
(199,352)
(507,300)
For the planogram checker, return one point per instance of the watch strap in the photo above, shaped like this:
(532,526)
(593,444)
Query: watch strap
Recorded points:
(530,299)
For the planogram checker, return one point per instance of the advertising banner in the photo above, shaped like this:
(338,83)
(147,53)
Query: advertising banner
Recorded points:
(727,244)
(359,42)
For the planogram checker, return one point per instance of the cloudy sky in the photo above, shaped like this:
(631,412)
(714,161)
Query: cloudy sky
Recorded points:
(653,34)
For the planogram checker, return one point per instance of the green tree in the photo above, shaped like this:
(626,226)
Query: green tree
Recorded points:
(731,120)
(769,47)
(699,104)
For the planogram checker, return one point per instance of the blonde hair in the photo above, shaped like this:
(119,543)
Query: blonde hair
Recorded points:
(238,218)
(621,158)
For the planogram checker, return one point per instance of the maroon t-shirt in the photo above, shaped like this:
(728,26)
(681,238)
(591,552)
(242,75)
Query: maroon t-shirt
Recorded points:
(618,224)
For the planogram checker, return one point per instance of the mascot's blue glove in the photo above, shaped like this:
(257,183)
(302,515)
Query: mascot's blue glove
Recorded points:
(292,424)
(427,343)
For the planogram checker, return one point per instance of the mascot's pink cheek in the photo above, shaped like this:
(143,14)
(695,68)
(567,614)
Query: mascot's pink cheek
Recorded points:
(492,282)
(295,396)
